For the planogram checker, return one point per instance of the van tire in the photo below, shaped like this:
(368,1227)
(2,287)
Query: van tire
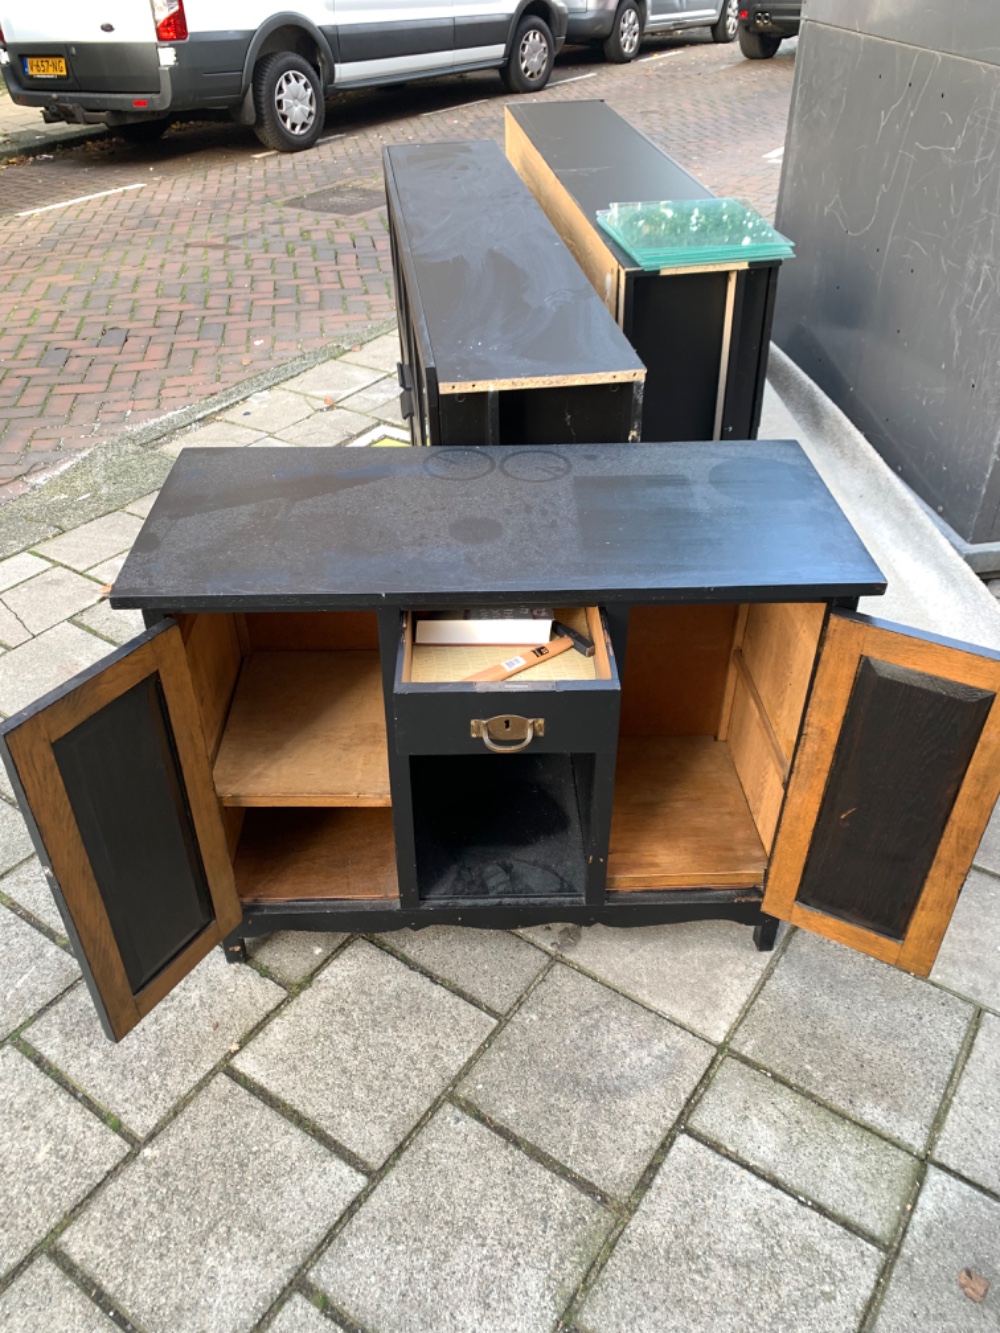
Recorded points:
(143,131)
(539,52)
(288,102)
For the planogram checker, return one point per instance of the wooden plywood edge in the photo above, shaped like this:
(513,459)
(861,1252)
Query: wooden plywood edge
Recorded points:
(544,381)
(578,233)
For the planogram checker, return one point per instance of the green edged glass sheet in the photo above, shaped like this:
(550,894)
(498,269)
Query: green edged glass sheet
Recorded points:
(687,233)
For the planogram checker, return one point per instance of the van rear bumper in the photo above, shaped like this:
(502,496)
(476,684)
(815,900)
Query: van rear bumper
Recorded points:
(82,107)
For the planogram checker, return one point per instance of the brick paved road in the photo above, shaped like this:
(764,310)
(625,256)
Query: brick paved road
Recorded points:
(200,273)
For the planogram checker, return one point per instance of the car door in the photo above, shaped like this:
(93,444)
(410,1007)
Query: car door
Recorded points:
(893,782)
(482,29)
(112,774)
(387,39)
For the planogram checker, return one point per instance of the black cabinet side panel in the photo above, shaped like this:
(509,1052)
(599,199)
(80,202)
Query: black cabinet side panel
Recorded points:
(906,742)
(748,349)
(675,323)
(124,783)
(566,414)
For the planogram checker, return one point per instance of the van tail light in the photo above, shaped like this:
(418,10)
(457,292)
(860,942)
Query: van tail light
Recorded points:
(171,24)
(3,39)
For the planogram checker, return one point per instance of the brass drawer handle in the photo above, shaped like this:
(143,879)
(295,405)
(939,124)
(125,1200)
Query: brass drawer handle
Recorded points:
(512,732)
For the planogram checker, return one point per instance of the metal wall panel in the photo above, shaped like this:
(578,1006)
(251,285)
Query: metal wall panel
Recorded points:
(891,191)
(969,28)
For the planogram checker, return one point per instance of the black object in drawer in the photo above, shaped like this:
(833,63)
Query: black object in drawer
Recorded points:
(557,716)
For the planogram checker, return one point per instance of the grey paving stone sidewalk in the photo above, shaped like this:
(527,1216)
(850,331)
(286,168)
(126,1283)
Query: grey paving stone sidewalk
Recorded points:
(465,1131)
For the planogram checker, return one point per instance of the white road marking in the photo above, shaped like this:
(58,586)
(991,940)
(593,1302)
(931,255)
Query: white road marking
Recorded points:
(575,79)
(775,155)
(271,152)
(83,199)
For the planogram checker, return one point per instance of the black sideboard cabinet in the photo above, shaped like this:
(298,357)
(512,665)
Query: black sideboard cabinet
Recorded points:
(503,339)
(275,752)
(702,333)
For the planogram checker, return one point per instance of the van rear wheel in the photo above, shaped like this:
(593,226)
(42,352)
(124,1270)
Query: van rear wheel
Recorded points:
(288,101)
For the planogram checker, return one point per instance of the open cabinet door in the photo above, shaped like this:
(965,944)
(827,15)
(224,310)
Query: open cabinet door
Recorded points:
(113,778)
(894,779)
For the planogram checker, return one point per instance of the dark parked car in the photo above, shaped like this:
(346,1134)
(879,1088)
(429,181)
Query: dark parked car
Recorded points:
(763,25)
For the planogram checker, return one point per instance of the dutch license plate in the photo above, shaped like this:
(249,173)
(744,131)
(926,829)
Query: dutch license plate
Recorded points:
(45,67)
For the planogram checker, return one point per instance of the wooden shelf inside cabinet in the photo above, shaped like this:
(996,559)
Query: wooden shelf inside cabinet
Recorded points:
(306,729)
(301,855)
(680,819)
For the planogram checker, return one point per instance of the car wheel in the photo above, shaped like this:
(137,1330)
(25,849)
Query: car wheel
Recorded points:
(532,55)
(626,36)
(143,131)
(724,27)
(758,45)
(288,101)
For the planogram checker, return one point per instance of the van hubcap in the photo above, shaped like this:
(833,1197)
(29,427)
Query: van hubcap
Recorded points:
(533,55)
(295,102)
(628,32)
(731,17)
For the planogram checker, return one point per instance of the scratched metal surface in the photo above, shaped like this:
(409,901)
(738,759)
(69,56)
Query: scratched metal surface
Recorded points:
(891,193)
(969,28)
(395,527)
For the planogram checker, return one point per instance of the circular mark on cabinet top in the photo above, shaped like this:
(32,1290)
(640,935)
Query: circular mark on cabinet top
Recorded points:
(536,465)
(457,464)
(475,529)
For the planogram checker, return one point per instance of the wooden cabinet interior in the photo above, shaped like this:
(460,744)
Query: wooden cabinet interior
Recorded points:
(712,701)
(294,720)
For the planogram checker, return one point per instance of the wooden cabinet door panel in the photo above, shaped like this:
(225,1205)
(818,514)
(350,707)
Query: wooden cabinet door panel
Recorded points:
(895,777)
(113,777)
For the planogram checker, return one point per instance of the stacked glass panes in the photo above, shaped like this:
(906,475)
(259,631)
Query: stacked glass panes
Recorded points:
(693,233)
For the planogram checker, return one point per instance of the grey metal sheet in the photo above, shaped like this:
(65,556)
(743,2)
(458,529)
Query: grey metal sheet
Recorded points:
(969,28)
(891,192)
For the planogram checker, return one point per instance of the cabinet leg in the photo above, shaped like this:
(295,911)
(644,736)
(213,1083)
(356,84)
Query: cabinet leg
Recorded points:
(235,948)
(765,934)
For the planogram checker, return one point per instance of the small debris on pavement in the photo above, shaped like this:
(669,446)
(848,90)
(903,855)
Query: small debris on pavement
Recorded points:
(973,1284)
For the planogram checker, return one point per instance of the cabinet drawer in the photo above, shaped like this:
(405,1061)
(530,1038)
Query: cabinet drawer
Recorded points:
(574,710)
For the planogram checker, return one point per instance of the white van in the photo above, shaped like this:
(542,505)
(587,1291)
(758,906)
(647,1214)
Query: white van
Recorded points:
(133,63)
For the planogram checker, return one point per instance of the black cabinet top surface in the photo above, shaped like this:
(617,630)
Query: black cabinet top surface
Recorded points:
(286,529)
(501,297)
(600,159)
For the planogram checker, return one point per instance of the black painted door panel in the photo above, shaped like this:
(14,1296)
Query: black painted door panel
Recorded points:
(113,778)
(894,779)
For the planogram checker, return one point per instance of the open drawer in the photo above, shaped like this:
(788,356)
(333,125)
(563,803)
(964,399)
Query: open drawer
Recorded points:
(569,704)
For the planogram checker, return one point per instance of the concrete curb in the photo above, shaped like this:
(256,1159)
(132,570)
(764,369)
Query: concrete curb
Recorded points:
(930,586)
(12,145)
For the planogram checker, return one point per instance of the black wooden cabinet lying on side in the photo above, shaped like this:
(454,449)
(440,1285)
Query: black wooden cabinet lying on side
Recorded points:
(276,752)
(504,340)
(702,333)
